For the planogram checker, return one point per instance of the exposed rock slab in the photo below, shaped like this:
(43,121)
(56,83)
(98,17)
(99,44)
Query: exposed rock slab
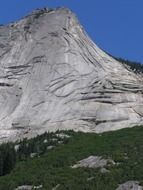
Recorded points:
(52,76)
(130,185)
(24,187)
(94,162)
(28,187)
(56,187)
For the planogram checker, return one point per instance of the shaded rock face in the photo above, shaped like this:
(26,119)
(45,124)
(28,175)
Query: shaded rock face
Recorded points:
(52,76)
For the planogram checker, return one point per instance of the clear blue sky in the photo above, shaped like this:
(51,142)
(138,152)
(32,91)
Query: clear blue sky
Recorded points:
(115,25)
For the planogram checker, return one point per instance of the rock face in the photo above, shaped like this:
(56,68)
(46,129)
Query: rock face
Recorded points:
(24,187)
(94,162)
(52,76)
(130,185)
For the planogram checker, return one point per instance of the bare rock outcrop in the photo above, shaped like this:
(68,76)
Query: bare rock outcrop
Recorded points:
(95,162)
(24,187)
(52,76)
(28,187)
(130,185)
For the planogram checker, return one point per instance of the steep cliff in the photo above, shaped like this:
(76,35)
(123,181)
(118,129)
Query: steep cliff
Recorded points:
(52,76)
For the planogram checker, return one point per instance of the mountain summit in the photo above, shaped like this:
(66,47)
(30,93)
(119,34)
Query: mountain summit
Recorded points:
(52,76)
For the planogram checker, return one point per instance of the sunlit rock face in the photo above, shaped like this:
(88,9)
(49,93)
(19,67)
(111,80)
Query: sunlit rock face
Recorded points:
(52,76)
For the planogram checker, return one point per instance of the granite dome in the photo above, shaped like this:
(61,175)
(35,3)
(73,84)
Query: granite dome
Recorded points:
(52,76)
